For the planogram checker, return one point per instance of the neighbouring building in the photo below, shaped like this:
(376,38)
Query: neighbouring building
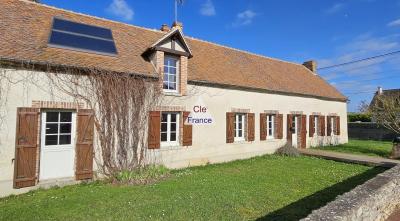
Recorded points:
(257,103)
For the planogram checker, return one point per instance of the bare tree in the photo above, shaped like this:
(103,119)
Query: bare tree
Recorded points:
(121,103)
(386,111)
(363,107)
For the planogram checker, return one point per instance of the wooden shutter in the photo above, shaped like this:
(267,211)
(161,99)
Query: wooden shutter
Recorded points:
(154,132)
(84,145)
(263,126)
(250,127)
(303,131)
(26,147)
(322,125)
(337,125)
(311,126)
(187,131)
(328,126)
(289,127)
(279,127)
(230,121)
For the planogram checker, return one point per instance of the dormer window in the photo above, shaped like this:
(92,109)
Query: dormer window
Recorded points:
(171,70)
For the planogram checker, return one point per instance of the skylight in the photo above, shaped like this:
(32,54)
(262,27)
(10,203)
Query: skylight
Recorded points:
(82,37)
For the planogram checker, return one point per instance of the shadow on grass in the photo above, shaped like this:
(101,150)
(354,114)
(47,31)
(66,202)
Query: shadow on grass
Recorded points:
(304,206)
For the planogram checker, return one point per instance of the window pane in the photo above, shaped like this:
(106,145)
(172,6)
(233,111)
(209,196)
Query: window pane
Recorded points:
(165,77)
(65,139)
(172,70)
(51,140)
(51,128)
(165,85)
(172,86)
(164,118)
(173,117)
(163,136)
(52,117)
(172,78)
(65,128)
(164,127)
(66,117)
(173,137)
(172,62)
(173,127)
(240,133)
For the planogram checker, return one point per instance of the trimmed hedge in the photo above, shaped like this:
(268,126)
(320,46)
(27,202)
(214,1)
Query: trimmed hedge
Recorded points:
(354,117)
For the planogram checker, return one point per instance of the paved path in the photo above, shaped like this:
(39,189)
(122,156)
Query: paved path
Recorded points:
(351,158)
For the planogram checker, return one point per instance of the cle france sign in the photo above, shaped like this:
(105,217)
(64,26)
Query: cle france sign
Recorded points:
(199,115)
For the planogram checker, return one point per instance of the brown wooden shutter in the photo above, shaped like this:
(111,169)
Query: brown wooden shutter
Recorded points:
(279,128)
(289,127)
(187,131)
(230,121)
(328,126)
(250,127)
(263,126)
(322,125)
(154,132)
(26,147)
(84,145)
(311,126)
(337,125)
(303,131)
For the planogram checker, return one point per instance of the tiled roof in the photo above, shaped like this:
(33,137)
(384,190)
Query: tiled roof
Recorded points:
(25,27)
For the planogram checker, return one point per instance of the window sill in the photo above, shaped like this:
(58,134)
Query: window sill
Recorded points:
(172,93)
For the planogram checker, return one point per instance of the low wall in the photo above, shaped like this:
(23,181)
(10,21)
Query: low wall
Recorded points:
(374,200)
(369,131)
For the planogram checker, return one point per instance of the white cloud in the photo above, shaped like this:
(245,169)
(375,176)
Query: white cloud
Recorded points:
(394,23)
(121,9)
(334,8)
(208,9)
(359,80)
(244,18)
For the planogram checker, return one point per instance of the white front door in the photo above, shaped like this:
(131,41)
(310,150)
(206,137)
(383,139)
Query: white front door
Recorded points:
(57,155)
(295,131)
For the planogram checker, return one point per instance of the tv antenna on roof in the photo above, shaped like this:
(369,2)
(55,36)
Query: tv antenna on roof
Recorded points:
(177,2)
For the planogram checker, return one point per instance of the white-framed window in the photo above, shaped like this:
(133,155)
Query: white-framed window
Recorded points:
(332,126)
(58,128)
(270,126)
(240,124)
(316,125)
(169,129)
(171,70)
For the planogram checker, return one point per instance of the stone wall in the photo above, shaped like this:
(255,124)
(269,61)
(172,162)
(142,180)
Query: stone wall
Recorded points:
(374,200)
(369,131)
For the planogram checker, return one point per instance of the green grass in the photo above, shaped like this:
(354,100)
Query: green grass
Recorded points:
(265,188)
(364,147)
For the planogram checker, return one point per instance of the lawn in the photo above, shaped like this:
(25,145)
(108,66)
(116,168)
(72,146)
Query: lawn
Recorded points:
(364,147)
(264,188)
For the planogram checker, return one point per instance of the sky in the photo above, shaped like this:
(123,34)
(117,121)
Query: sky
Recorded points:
(329,31)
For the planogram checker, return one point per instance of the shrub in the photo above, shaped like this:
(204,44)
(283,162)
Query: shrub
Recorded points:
(362,117)
(288,150)
(145,175)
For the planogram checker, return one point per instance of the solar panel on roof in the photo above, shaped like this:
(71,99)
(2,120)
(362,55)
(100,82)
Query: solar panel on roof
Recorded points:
(72,35)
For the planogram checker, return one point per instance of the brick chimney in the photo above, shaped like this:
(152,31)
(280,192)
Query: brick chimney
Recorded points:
(164,28)
(312,65)
(177,25)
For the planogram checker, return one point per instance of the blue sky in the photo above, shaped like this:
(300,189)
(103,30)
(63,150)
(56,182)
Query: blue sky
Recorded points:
(330,32)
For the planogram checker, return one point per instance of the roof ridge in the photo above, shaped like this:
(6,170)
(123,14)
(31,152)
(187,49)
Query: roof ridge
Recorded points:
(243,51)
(158,31)
(91,16)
